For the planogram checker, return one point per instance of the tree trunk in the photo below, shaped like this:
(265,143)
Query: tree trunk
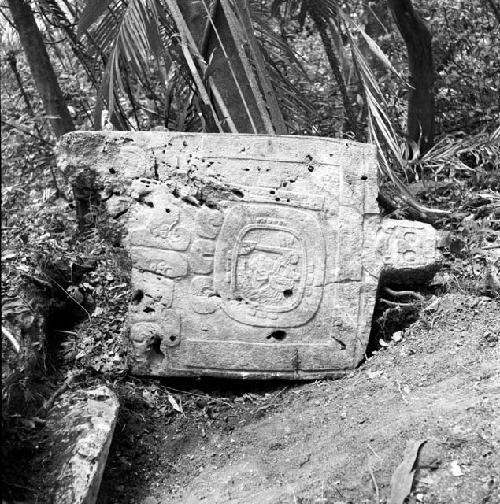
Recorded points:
(243,99)
(420,126)
(350,117)
(246,119)
(11,58)
(41,67)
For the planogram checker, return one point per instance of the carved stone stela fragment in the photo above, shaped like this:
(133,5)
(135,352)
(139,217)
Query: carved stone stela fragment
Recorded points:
(252,256)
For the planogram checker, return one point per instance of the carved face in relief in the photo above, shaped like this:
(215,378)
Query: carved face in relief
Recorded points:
(268,268)
(269,265)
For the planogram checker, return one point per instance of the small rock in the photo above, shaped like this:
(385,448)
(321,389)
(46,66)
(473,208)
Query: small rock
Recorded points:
(490,338)
(455,469)
(201,402)
(433,305)
(75,293)
(397,336)
(150,500)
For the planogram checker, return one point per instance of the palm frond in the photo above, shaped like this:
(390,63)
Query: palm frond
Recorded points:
(52,11)
(231,69)
(280,60)
(93,10)
(381,129)
(372,45)
(383,134)
(128,33)
(190,51)
(277,122)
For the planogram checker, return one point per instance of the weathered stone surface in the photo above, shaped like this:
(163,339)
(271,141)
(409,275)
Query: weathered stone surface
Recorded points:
(82,425)
(253,256)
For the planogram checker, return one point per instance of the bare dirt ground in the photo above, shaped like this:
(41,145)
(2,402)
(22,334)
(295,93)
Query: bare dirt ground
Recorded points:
(326,442)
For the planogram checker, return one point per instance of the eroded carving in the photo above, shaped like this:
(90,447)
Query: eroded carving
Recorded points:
(176,237)
(162,262)
(201,256)
(402,246)
(208,222)
(156,221)
(270,265)
(203,297)
(267,267)
(152,294)
(142,332)
(171,329)
(156,337)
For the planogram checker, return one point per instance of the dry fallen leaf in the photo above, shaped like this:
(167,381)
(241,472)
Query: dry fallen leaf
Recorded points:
(149,398)
(174,404)
(402,479)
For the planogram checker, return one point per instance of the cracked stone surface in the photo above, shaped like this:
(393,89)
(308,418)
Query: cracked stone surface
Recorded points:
(82,425)
(252,256)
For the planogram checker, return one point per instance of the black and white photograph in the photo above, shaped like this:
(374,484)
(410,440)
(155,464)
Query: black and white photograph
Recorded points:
(250,251)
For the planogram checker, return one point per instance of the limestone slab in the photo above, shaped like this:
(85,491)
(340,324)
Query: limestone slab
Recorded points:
(82,425)
(252,256)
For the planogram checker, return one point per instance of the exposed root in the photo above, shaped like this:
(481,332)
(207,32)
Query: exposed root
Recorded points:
(395,303)
(50,401)
(403,293)
(12,339)
(377,492)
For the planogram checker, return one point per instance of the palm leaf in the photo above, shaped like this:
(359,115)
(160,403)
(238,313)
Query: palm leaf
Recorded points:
(233,73)
(382,132)
(279,60)
(91,13)
(128,33)
(372,45)
(190,51)
(383,135)
(277,121)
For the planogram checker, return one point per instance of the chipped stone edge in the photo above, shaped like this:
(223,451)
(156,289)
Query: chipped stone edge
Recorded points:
(80,477)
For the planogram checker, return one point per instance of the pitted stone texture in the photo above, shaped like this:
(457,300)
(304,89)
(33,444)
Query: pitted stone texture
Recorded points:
(253,256)
(82,425)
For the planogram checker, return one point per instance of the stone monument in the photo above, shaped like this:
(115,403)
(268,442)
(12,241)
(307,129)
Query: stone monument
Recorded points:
(252,256)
